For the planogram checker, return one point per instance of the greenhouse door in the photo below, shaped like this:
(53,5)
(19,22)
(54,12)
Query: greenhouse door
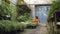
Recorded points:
(41,12)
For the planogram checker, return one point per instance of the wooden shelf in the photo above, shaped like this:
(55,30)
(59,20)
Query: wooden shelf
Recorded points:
(57,10)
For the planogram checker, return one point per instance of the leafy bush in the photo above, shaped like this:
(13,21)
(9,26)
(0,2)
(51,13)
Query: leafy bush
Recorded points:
(29,23)
(8,9)
(23,13)
(11,25)
(24,17)
(54,5)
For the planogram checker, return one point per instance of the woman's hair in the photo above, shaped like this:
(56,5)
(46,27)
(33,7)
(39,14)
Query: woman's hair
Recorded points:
(36,17)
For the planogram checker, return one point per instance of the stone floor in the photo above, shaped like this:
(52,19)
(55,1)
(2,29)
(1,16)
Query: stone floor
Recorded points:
(38,30)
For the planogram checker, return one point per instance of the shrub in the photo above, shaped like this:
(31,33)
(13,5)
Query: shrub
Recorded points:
(11,25)
(29,24)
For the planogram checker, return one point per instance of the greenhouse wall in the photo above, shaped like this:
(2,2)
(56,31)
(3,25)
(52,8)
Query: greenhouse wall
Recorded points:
(38,2)
(33,3)
(14,1)
(0,2)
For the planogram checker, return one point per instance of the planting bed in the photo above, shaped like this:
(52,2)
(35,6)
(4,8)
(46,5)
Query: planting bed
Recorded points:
(11,27)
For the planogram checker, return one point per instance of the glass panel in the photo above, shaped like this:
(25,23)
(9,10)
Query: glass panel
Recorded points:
(0,2)
(41,12)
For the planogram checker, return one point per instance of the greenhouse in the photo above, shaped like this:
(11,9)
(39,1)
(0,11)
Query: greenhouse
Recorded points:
(29,17)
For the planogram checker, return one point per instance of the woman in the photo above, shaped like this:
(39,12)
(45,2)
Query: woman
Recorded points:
(37,20)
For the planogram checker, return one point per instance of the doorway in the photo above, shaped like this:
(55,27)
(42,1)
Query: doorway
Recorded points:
(41,12)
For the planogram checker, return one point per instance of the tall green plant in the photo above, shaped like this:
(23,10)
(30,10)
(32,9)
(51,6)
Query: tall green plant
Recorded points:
(5,9)
(23,13)
(53,6)
(8,9)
